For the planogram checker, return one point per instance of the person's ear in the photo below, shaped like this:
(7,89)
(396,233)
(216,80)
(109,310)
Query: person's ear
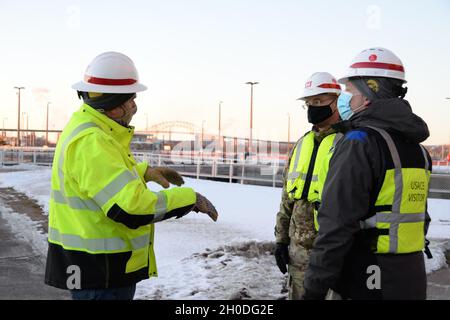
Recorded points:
(366,101)
(115,113)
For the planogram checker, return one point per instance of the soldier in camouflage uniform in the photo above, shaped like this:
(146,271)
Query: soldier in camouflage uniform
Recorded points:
(295,228)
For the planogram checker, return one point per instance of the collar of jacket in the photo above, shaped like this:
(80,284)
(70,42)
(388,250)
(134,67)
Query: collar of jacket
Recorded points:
(320,135)
(393,115)
(342,126)
(119,133)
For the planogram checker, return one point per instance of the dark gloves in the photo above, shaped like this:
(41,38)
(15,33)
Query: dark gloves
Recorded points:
(282,256)
(163,176)
(311,295)
(203,205)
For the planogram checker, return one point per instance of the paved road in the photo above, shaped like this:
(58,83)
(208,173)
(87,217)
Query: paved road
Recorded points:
(439,285)
(22,270)
(21,267)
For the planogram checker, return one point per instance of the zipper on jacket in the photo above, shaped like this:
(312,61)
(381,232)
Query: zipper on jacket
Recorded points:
(310,171)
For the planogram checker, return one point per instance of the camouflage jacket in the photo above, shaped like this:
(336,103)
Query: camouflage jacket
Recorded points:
(295,218)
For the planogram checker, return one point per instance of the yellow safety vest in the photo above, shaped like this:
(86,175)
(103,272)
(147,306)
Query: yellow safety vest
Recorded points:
(400,206)
(93,169)
(321,166)
(309,166)
(302,164)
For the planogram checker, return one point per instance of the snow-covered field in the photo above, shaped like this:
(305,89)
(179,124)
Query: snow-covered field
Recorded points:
(200,259)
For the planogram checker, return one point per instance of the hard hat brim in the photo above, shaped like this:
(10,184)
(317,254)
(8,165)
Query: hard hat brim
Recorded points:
(89,87)
(369,72)
(319,91)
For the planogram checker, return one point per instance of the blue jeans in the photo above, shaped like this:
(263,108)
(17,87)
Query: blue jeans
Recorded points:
(124,293)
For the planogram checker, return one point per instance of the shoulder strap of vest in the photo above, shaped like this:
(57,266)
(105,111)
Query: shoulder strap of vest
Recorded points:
(337,138)
(425,156)
(298,145)
(398,178)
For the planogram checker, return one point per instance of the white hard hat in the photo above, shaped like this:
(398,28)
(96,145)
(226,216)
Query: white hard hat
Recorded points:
(319,83)
(110,72)
(376,62)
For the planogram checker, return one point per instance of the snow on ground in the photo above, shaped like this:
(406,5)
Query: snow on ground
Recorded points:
(26,229)
(201,259)
(441,169)
(34,181)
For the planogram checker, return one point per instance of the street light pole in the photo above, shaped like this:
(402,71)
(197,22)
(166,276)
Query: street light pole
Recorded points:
(289,128)
(289,134)
(18,114)
(46,125)
(4,132)
(219,139)
(23,123)
(203,122)
(250,142)
(28,133)
(220,114)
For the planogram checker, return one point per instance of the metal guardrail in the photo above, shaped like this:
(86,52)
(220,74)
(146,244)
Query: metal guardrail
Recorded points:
(252,171)
(38,156)
(238,170)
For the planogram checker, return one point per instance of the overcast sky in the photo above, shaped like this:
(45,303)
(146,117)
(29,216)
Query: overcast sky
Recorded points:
(193,54)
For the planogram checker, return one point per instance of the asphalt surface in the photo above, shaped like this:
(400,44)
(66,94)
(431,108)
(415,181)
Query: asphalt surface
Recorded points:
(22,270)
(21,266)
(439,285)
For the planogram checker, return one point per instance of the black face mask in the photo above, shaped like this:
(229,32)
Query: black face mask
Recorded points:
(318,114)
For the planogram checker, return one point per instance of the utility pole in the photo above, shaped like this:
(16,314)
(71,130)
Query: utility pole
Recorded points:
(18,114)
(4,132)
(46,126)
(289,133)
(203,123)
(220,114)
(219,139)
(28,133)
(23,123)
(250,142)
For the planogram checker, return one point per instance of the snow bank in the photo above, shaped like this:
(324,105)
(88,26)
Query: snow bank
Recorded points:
(200,259)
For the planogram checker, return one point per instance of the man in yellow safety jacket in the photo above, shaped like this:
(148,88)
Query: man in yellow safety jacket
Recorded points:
(296,226)
(101,212)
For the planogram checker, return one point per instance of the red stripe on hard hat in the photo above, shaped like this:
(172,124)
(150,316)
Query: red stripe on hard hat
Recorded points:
(330,86)
(378,65)
(110,82)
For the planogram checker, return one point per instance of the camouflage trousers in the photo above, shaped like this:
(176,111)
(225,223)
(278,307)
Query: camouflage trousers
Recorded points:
(298,261)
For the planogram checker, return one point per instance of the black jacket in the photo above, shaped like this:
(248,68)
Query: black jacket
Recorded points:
(341,252)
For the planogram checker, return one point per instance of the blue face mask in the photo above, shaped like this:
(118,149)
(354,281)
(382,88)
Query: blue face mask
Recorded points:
(343,104)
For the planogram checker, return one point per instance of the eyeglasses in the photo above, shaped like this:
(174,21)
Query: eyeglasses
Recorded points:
(319,102)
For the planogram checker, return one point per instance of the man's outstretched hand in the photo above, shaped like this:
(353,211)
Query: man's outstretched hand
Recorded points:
(163,176)
(205,206)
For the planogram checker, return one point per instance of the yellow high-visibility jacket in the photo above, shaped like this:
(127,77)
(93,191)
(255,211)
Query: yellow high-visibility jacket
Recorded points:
(102,215)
